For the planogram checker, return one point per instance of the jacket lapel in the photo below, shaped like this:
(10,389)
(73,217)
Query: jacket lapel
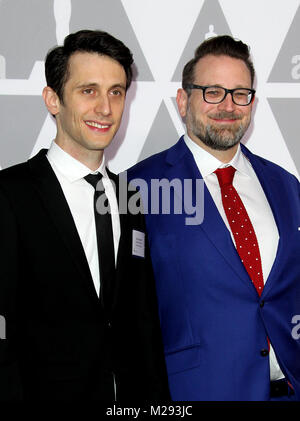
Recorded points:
(181,162)
(271,188)
(56,206)
(111,288)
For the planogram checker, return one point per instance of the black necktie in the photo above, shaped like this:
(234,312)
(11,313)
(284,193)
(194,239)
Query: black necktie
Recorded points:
(105,243)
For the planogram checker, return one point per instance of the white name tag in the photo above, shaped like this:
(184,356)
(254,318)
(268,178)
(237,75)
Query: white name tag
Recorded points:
(138,243)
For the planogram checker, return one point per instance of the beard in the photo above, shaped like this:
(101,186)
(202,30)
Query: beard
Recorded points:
(219,138)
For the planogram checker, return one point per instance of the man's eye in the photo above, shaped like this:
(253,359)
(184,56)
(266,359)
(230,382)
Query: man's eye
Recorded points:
(88,91)
(213,92)
(241,94)
(116,92)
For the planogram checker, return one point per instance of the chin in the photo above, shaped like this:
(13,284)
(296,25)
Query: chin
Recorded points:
(98,146)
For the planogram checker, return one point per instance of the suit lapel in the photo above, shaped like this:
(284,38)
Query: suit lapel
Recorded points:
(182,163)
(123,196)
(110,288)
(56,206)
(269,183)
(271,188)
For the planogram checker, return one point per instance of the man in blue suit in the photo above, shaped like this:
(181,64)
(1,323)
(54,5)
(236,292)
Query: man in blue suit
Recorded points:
(228,319)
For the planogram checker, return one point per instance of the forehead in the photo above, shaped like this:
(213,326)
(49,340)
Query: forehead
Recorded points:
(84,66)
(222,70)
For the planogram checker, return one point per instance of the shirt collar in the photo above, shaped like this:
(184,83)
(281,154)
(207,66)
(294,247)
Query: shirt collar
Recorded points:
(69,167)
(207,163)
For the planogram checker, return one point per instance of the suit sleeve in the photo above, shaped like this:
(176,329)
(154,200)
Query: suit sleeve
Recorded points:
(142,374)
(154,363)
(9,380)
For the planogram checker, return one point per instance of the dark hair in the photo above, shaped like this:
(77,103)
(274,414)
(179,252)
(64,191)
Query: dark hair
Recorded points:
(57,59)
(218,46)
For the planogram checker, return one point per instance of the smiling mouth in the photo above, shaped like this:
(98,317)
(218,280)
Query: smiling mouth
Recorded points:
(225,118)
(96,125)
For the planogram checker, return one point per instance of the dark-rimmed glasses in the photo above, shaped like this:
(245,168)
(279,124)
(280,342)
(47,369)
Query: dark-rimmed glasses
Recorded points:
(217,94)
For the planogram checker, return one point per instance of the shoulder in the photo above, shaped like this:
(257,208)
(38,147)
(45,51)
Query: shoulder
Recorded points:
(269,167)
(20,172)
(155,165)
(18,180)
(149,165)
(14,174)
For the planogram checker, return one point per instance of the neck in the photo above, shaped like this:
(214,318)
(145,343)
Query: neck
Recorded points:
(223,156)
(90,158)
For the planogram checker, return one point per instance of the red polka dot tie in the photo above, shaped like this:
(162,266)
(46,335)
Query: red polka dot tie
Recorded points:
(241,227)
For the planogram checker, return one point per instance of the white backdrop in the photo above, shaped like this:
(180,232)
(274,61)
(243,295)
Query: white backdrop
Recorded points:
(163,35)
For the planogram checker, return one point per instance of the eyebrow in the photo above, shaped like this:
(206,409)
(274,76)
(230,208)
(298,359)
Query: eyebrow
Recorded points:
(96,85)
(221,86)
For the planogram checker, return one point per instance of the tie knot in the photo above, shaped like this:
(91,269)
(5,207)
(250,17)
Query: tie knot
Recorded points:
(93,179)
(225,175)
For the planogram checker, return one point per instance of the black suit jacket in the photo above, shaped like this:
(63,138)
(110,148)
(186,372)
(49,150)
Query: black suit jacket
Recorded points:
(61,344)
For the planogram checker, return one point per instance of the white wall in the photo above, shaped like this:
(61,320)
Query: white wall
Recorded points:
(162,35)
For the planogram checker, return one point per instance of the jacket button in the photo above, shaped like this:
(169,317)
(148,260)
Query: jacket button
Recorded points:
(262,303)
(264,352)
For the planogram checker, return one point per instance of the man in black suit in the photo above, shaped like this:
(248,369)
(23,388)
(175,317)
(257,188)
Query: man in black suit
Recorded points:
(80,323)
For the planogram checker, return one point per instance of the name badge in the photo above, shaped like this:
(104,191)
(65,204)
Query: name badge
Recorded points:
(138,243)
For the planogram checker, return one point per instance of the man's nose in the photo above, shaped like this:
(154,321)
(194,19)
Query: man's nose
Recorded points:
(227,104)
(103,105)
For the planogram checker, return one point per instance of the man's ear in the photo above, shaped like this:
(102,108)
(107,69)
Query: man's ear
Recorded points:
(51,100)
(182,102)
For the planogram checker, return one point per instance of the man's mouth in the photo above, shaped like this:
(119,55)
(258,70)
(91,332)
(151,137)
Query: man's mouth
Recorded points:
(224,120)
(96,125)
(225,117)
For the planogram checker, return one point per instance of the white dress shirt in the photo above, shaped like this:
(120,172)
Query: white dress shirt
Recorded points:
(253,197)
(79,195)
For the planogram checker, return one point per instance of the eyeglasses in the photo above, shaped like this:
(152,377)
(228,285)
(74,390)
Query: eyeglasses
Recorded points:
(217,94)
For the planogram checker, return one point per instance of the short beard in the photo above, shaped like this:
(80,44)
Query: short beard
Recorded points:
(217,138)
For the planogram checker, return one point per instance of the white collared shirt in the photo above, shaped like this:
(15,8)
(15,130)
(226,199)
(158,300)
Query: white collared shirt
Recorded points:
(253,197)
(79,195)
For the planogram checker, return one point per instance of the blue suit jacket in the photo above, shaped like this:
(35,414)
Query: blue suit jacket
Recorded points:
(214,324)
